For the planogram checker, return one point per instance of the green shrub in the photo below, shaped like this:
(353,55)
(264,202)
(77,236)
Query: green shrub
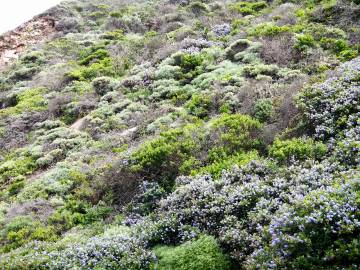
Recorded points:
(263,110)
(334,45)
(348,54)
(102,85)
(16,166)
(22,230)
(304,41)
(235,133)
(201,254)
(248,8)
(117,34)
(17,184)
(218,166)
(190,65)
(339,47)
(78,212)
(198,8)
(23,73)
(27,101)
(298,148)
(103,68)
(199,105)
(33,59)
(93,56)
(162,157)
(268,29)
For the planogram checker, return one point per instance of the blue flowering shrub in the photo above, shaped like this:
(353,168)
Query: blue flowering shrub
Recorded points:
(331,111)
(319,231)
(202,204)
(113,252)
(330,107)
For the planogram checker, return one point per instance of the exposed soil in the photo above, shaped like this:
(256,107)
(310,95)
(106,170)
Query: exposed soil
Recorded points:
(12,43)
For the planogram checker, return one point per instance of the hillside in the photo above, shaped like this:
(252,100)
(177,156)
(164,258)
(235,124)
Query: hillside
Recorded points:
(179,134)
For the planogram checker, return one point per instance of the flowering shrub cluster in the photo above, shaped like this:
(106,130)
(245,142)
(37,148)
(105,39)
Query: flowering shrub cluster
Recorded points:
(237,208)
(320,230)
(221,30)
(332,110)
(332,107)
(115,252)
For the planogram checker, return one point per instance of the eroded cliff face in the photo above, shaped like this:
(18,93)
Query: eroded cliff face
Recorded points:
(13,42)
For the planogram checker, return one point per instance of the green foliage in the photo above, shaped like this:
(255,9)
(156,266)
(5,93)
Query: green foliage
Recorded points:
(198,8)
(35,58)
(236,133)
(27,101)
(77,212)
(158,88)
(23,73)
(22,230)
(168,151)
(17,184)
(263,110)
(226,163)
(248,8)
(190,65)
(188,148)
(339,47)
(102,85)
(16,166)
(117,34)
(102,68)
(201,254)
(298,149)
(304,41)
(199,105)
(268,29)
(93,55)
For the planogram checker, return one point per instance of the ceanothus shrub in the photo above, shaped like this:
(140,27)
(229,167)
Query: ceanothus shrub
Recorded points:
(119,252)
(331,108)
(320,231)
(236,209)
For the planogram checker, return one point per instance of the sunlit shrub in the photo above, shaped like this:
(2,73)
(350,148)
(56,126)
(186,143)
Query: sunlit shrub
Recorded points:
(201,254)
(297,149)
(248,8)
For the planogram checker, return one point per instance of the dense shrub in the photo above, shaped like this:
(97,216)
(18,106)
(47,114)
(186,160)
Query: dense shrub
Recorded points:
(22,230)
(102,85)
(263,110)
(168,151)
(115,252)
(235,133)
(236,208)
(248,8)
(331,107)
(199,105)
(202,254)
(102,68)
(318,231)
(297,149)
(268,29)
(183,149)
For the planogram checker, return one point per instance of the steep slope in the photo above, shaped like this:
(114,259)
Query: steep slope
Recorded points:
(170,134)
